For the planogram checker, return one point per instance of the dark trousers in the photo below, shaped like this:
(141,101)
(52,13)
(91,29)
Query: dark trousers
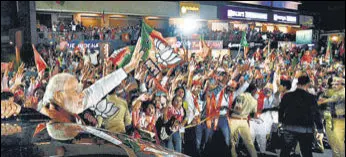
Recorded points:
(290,140)
(203,135)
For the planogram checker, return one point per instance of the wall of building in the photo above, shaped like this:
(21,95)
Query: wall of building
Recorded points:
(91,21)
(144,8)
(141,8)
(208,12)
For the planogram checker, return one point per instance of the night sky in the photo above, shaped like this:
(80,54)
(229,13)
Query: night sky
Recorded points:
(329,15)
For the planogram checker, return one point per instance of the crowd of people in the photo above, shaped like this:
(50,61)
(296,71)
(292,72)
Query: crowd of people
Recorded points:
(183,107)
(76,31)
(129,34)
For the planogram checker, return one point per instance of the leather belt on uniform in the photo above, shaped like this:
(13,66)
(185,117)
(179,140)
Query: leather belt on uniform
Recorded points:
(239,118)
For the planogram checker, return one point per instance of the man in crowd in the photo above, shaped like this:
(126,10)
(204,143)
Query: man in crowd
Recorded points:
(298,114)
(245,105)
(333,105)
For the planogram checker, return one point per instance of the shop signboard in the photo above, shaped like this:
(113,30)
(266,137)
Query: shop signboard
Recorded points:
(189,9)
(286,5)
(304,37)
(238,13)
(285,18)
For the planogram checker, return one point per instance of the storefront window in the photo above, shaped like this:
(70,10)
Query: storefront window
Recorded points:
(219,26)
(241,26)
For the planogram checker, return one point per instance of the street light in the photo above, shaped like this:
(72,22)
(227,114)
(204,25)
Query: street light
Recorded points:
(335,38)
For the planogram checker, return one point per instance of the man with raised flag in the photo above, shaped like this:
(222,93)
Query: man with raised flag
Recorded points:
(64,97)
(166,56)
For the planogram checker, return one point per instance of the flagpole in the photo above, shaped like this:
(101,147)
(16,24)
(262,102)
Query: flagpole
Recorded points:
(268,47)
(238,51)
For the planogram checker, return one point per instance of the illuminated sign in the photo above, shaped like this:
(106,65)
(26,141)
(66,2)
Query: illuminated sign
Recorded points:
(262,3)
(306,20)
(247,15)
(285,18)
(304,37)
(276,4)
(241,13)
(286,4)
(189,9)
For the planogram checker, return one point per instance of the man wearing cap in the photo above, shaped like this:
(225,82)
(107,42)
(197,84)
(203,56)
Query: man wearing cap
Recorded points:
(298,114)
(244,105)
(333,105)
(224,102)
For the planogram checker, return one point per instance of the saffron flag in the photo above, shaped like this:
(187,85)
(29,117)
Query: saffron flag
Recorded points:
(121,54)
(166,56)
(40,63)
(127,58)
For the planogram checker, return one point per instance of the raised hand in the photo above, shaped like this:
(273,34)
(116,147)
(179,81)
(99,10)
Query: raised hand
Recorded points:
(9,129)
(18,79)
(192,67)
(136,58)
(9,108)
(21,69)
(144,97)
(298,74)
(31,102)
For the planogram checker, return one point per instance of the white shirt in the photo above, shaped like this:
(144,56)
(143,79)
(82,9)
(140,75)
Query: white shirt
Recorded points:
(93,58)
(294,85)
(86,59)
(268,102)
(192,111)
(143,122)
(73,27)
(224,103)
(54,28)
(235,94)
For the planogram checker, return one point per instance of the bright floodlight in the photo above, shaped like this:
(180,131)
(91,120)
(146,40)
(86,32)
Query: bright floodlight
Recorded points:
(335,38)
(189,25)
